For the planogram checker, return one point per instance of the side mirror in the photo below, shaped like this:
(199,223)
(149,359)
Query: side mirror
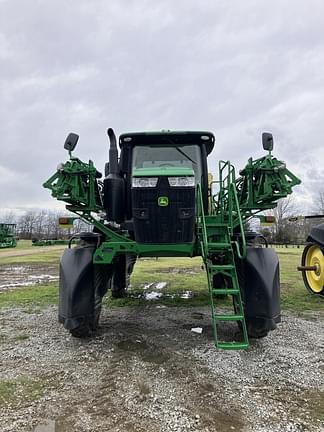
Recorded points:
(71,141)
(267,141)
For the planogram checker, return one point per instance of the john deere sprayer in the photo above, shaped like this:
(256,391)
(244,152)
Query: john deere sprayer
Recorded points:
(156,200)
(7,235)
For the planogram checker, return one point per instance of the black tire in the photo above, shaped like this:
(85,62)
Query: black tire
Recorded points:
(81,332)
(255,328)
(220,281)
(122,270)
(102,281)
(101,274)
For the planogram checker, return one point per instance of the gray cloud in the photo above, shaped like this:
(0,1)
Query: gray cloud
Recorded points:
(236,68)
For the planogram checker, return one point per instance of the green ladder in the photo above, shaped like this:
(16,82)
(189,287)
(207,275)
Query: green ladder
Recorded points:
(226,269)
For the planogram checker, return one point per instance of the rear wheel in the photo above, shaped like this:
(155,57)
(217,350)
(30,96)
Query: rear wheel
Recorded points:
(220,282)
(313,279)
(123,268)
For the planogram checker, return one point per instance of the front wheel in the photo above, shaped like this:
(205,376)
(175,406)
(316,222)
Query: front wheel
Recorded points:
(256,329)
(83,331)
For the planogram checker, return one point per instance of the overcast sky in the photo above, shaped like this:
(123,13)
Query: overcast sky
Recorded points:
(236,68)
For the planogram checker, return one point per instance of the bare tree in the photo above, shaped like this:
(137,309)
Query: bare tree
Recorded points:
(319,206)
(44,224)
(8,217)
(27,224)
(283,231)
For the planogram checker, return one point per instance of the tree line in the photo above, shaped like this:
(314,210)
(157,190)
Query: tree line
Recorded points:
(290,227)
(43,224)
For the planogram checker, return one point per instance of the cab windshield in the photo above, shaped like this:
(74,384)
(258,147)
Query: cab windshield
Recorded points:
(186,156)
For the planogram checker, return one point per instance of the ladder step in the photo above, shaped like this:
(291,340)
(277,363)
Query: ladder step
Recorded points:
(232,345)
(221,267)
(215,246)
(222,291)
(210,221)
(229,317)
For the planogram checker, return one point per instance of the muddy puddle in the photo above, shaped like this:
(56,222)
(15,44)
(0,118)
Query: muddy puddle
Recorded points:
(154,291)
(16,276)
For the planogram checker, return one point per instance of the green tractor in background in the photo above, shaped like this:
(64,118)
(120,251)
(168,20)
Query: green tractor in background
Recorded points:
(7,235)
(156,201)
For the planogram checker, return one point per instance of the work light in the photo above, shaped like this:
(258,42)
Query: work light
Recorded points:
(181,181)
(144,182)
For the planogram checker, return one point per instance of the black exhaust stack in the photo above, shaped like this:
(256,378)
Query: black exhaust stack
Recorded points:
(113,152)
(114,185)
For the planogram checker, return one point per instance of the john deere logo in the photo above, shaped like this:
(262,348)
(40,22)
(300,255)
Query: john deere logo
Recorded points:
(163,201)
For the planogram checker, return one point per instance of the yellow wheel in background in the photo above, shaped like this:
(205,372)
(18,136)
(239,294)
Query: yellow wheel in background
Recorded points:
(313,279)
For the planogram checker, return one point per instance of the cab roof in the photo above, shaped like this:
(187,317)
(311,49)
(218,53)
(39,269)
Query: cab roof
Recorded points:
(168,137)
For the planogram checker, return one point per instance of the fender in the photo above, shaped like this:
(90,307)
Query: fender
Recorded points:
(82,285)
(76,291)
(261,289)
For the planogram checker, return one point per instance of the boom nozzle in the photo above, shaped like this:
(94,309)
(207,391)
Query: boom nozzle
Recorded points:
(113,152)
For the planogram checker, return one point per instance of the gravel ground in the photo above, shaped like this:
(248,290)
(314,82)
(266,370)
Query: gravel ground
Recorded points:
(146,370)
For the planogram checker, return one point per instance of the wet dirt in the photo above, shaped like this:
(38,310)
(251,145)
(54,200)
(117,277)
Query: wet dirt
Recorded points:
(16,276)
(149,294)
(145,370)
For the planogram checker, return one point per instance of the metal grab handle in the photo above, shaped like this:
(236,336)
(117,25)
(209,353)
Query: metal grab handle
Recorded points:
(243,254)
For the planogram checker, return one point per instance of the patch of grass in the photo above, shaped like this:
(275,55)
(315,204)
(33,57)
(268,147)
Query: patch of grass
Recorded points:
(34,296)
(179,274)
(46,257)
(21,337)
(294,295)
(20,389)
(24,244)
(150,271)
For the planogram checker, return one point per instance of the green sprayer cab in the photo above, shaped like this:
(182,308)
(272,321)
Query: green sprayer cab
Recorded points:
(7,235)
(156,200)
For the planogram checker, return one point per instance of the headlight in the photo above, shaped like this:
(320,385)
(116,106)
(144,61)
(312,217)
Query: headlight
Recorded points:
(181,181)
(144,182)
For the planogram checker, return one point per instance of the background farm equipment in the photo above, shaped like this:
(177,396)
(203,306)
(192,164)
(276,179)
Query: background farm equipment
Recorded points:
(49,242)
(63,222)
(312,261)
(156,200)
(7,235)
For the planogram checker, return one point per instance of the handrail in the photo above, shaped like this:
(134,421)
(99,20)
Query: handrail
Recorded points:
(239,254)
(228,191)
